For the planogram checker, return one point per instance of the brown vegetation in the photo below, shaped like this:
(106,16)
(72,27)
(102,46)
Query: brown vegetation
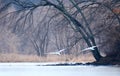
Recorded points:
(116,10)
(12,57)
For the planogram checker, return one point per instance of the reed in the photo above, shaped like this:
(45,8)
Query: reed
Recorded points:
(13,57)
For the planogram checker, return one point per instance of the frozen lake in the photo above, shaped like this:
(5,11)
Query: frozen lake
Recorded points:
(30,69)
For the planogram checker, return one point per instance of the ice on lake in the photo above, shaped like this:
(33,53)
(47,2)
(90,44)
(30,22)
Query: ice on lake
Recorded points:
(32,69)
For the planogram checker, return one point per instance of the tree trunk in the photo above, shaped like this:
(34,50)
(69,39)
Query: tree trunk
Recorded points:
(80,28)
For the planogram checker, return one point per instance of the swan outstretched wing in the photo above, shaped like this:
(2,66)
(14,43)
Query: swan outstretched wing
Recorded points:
(89,48)
(53,53)
(57,52)
(61,50)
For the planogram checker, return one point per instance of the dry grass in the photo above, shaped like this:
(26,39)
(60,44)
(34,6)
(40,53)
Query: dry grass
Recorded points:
(84,58)
(51,58)
(18,58)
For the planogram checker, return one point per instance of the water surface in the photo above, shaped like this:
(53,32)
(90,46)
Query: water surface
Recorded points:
(30,69)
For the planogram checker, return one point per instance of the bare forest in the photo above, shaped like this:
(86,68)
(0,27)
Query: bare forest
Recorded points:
(38,28)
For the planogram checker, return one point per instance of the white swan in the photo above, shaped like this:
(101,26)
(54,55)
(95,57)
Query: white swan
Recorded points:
(89,48)
(57,52)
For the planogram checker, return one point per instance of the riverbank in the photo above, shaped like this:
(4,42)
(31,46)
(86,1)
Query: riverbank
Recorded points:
(108,61)
(64,59)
